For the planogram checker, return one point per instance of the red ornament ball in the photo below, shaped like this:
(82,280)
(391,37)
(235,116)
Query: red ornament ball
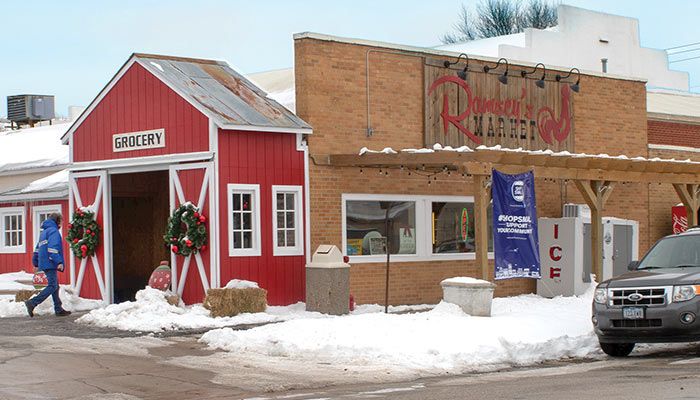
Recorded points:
(204,247)
(83,248)
(93,234)
(75,240)
(196,214)
(174,249)
(202,218)
(87,230)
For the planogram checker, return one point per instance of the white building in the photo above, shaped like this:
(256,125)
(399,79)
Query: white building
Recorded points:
(587,40)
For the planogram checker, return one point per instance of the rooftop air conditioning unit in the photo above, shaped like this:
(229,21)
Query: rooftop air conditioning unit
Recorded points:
(576,210)
(29,108)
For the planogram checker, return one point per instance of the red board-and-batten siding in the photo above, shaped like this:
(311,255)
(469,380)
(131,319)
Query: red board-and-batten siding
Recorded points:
(266,159)
(139,101)
(15,262)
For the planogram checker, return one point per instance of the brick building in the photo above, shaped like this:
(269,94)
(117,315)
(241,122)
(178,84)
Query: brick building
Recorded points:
(393,109)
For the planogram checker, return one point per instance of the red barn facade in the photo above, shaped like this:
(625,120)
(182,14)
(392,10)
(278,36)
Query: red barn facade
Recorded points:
(167,131)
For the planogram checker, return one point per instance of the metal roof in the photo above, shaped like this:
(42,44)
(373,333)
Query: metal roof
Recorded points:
(224,95)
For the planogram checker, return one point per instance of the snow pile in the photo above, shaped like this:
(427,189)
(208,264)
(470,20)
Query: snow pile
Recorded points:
(523,330)
(465,279)
(241,284)
(13,281)
(53,182)
(152,313)
(33,147)
(71,302)
(437,147)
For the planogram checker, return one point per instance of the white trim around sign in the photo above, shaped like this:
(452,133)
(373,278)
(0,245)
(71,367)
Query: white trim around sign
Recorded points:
(254,190)
(16,211)
(424,250)
(298,248)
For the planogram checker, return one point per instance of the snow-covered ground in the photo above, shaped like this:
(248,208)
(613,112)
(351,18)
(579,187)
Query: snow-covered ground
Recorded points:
(9,308)
(152,313)
(523,330)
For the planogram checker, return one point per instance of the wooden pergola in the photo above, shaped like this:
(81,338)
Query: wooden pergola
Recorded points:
(594,177)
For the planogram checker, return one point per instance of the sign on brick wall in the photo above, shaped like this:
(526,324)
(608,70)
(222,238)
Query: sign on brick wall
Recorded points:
(482,110)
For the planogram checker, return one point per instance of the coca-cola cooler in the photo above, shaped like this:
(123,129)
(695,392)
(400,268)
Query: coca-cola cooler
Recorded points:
(565,252)
(680,218)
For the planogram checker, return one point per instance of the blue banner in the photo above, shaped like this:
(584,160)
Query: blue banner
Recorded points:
(515,241)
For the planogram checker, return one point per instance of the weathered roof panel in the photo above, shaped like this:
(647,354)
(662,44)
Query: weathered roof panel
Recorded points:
(227,96)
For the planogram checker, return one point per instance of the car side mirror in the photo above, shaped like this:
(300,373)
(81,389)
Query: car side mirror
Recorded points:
(633,266)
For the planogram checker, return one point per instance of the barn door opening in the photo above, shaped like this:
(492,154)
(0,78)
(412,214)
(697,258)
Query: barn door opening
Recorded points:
(139,220)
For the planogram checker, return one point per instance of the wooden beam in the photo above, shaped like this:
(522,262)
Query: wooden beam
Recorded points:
(596,194)
(482,198)
(543,165)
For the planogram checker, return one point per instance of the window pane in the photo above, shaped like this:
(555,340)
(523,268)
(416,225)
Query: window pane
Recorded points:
(280,238)
(248,240)
(236,202)
(237,220)
(366,227)
(247,220)
(290,238)
(453,227)
(13,239)
(237,243)
(280,201)
(290,201)
(246,202)
(280,220)
(290,220)
(13,222)
(7,239)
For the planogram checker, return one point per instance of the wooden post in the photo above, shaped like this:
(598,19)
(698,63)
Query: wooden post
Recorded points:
(596,194)
(482,198)
(689,196)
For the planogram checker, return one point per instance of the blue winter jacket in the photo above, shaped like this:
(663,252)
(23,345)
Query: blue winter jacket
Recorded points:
(49,251)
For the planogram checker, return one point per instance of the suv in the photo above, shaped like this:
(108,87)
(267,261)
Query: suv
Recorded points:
(656,302)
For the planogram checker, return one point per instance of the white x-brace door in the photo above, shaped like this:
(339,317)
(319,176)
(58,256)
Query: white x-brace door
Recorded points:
(100,206)
(205,198)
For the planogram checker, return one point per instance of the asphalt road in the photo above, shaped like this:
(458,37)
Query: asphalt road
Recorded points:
(49,358)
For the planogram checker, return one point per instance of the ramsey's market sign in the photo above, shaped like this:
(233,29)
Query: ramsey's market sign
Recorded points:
(138,140)
(482,110)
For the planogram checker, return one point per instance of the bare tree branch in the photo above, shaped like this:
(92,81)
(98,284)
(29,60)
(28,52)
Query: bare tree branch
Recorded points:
(501,17)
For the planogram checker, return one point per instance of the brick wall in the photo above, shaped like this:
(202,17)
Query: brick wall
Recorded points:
(609,117)
(674,133)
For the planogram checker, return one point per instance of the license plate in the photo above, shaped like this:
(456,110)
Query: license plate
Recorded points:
(633,313)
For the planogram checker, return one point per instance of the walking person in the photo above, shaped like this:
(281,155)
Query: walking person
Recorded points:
(48,257)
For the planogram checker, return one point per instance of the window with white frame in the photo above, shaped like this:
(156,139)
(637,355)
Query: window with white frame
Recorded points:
(41,214)
(244,220)
(417,227)
(373,225)
(287,220)
(12,230)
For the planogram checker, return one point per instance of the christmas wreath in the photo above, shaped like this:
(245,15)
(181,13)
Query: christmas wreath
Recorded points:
(186,232)
(83,233)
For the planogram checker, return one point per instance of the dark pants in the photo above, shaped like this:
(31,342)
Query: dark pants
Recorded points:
(50,290)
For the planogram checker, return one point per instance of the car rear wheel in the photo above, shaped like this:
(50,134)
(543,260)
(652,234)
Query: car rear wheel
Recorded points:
(617,349)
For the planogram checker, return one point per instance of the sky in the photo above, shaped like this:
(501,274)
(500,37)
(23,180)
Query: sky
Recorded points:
(71,49)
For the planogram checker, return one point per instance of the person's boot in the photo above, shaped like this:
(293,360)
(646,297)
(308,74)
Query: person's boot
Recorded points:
(30,309)
(63,313)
